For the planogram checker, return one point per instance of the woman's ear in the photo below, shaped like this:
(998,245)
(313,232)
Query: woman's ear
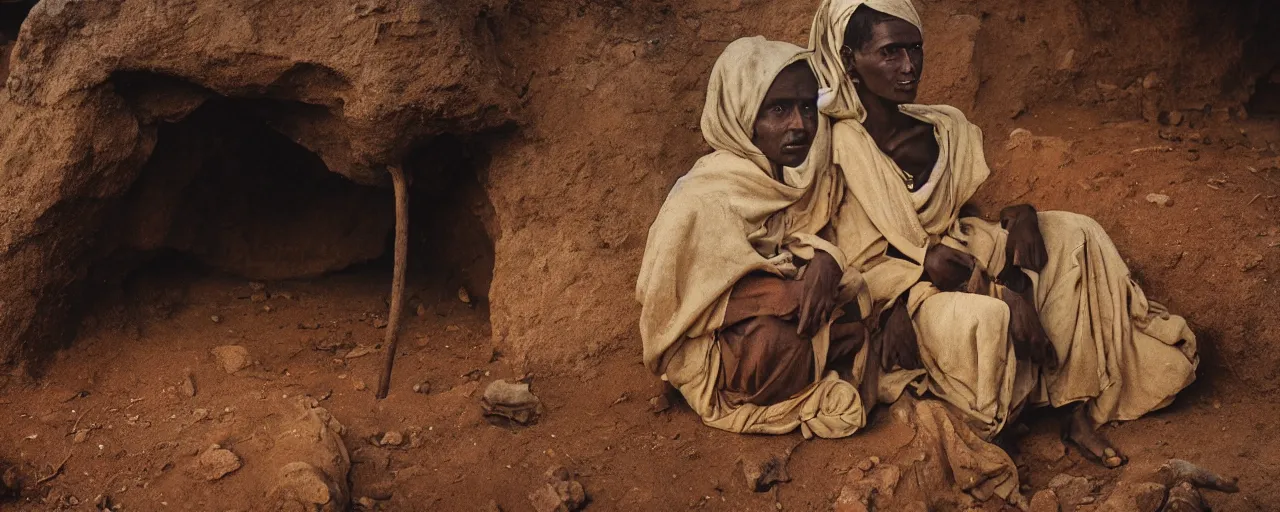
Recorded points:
(846,57)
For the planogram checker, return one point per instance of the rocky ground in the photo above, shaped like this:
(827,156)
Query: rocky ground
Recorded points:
(130,417)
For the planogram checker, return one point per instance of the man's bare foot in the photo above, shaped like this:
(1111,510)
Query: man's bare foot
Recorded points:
(1080,431)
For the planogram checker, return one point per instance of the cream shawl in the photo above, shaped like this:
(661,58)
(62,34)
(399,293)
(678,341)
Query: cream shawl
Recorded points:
(729,217)
(883,212)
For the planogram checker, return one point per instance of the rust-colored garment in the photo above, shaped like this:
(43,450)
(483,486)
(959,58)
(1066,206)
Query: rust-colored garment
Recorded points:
(765,359)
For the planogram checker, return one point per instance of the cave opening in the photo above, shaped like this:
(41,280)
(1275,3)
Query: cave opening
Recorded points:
(226,197)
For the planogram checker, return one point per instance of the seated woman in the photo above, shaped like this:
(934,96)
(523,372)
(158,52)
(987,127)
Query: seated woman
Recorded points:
(738,287)
(1062,326)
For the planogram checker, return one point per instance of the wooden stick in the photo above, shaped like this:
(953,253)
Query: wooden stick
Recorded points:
(397,278)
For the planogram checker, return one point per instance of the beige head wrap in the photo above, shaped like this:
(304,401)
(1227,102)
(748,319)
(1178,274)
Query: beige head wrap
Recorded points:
(729,217)
(827,37)
(739,81)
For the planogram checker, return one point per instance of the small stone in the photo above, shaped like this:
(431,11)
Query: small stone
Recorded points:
(512,402)
(392,438)
(421,341)
(1044,501)
(659,403)
(232,358)
(188,385)
(1068,61)
(1217,404)
(1072,490)
(1160,199)
(761,474)
(217,462)
(267,308)
(1192,156)
(875,461)
(359,384)
(1171,118)
(258,297)
(1134,497)
(366,503)
(866,465)
(82,435)
(464,295)
(1151,81)
(215,319)
(423,387)
(452,328)
(422,311)
(257,286)
(359,351)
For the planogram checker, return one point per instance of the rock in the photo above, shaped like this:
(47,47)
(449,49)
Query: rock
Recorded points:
(232,358)
(762,473)
(512,402)
(257,286)
(1160,199)
(659,403)
(188,385)
(367,503)
(1177,471)
(359,385)
(216,462)
(464,296)
(391,438)
(1017,137)
(215,319)
(81,436)
(359,351)
(1044,501)
(421,311)
(423,387)
(865,465)
(1171,118)
(313,461)
(258,297)
(1068,62)
(1184,498)
(561,493)
(861,491)
(1152,81)
(1134,497)
(1071,490)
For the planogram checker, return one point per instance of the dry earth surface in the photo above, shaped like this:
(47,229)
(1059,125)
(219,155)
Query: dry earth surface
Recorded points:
(542,219)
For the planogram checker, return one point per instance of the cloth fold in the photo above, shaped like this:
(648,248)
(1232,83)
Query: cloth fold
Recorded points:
(727,218)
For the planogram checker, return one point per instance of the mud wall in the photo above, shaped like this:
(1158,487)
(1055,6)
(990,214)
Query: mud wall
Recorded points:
(604,98)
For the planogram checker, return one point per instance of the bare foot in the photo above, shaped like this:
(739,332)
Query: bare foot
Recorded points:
(1081,432)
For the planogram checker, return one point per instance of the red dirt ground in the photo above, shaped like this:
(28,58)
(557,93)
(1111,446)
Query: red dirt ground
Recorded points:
(120,380)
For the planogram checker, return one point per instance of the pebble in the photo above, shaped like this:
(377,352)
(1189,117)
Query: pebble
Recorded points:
(215,319)
(217,462)
(392,438)
(188,385)
(232,358)
(258,297)
(1072,490)
(82,435)
(423,387)
(464,295)
(1044,501)
(1160,199)
(359,384)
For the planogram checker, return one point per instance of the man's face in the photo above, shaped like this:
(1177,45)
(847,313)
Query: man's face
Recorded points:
(889,65)
(788,117)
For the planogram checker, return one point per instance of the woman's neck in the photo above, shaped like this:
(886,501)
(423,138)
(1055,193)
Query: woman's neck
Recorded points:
(884,120)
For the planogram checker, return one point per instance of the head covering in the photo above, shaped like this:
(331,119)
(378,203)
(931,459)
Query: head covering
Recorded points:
(827,37)
(738,84)
(729,217)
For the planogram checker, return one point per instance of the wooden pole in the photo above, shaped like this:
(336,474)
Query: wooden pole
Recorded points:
(397,278)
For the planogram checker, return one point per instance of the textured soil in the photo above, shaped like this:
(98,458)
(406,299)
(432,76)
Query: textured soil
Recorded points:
(546,238)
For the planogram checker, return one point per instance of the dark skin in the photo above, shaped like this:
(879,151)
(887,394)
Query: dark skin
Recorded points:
(887,71)
(785,127)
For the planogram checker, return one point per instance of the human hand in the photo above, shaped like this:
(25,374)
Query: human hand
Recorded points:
(1025,247)
(898,340)
(1030,342)
(818,291)
(948,269)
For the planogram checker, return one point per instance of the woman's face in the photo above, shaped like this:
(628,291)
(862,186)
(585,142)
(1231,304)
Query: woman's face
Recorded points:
(890,63)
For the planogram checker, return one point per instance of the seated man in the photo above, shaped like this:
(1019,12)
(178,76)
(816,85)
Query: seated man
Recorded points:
(1063,326)
(738,286)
